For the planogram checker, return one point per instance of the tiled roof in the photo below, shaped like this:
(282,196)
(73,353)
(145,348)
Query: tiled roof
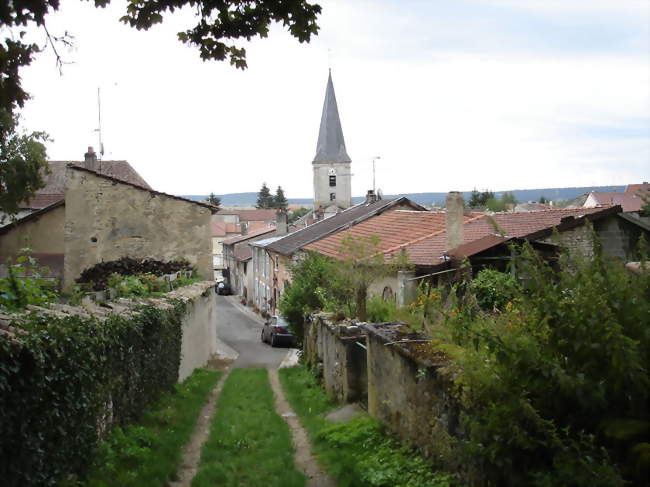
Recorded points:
(351,216)
(218,229)
(249,235)
(251,215)
(393,228)
(629,201)
(55,181)
(535,224)
(636,188)
(243,252)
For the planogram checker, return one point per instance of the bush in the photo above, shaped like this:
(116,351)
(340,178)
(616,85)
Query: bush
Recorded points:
(493,289)
(380,311)
(24,284)
(63,381)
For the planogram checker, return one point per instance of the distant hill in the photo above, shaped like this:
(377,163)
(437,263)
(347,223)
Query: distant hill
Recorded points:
(522,195)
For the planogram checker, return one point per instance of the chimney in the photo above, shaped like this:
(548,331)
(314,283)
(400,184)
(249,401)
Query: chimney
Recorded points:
(371,197)
(90,159)
(281,228)
(454,219)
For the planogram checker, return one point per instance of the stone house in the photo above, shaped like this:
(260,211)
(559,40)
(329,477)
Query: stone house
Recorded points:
(237,254)
(102,218)
(273,256)
(436,242)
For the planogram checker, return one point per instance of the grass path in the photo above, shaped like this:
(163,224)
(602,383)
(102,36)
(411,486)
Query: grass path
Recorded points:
(249,443)
(147,454)
(192,451)
(305,460)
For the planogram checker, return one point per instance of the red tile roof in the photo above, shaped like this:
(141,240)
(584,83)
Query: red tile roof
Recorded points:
(243,252)
(429,251)
(636,188)
(393,229)
(218,229)
(629,201)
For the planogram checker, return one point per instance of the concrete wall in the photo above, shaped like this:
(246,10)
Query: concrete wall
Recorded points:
(378,286)
(199,328)
(322,189)
(106,220)
(43,234)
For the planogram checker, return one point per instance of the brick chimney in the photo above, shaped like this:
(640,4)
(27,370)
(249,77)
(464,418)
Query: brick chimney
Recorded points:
(454,219)
(90,159)
(371,197)
(281,225)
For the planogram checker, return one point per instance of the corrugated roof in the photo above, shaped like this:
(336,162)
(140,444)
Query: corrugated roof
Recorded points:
(249,235)
(348,217)
(532,225)
(252,215)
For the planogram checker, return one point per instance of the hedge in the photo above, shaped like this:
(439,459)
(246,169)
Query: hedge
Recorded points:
(65,381)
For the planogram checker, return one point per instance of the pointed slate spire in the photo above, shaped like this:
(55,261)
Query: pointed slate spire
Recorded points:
(331,145)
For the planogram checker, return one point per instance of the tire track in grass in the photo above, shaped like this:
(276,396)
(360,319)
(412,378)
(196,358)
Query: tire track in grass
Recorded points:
(305,460)
(192,451)
(249,443)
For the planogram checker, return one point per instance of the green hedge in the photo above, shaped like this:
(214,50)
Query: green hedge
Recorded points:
(68,379)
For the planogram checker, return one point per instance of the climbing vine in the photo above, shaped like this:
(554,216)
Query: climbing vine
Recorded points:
(65,381)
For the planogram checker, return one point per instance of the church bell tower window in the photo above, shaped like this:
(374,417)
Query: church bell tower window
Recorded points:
(332,176)
(332,196)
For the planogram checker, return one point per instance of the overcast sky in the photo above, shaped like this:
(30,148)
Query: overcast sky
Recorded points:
(498,94)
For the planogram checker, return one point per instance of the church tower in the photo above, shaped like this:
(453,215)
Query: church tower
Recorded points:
(332,177)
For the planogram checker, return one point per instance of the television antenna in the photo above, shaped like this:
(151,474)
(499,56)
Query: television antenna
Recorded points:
(374,186)
(99,122)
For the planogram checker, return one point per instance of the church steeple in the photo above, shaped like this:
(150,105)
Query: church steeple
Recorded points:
(331,145)
(331,165)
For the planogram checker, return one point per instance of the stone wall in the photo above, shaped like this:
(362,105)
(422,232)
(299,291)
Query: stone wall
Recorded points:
(334,348)
(42,233)
(409,391)
(106,220)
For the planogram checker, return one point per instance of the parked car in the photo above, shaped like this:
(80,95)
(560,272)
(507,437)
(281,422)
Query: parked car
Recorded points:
(223,288)
(276,331)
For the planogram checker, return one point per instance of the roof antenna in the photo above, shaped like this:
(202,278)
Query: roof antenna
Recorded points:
(329,60)
(374,186)
(99,126)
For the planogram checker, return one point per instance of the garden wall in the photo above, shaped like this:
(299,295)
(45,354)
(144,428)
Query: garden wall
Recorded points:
(335,347)
(408,385)
(67,374)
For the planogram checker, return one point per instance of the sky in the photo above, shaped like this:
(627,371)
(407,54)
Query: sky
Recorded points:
(488,94)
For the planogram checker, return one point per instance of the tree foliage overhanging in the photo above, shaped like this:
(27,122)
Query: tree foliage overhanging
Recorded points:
(219,24)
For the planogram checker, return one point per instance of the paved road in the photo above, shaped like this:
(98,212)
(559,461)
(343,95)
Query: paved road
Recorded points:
(242,332)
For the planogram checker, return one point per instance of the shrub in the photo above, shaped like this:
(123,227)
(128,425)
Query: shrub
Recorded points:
(493,289)
(24,284)
(63,381)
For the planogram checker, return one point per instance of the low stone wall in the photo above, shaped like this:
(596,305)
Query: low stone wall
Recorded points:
(339,348)
(409,390)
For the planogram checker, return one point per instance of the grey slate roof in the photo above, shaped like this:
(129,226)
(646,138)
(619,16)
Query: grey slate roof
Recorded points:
(297,240)
(331,145)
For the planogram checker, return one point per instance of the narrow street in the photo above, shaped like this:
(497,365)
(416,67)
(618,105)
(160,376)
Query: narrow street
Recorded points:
(240,329)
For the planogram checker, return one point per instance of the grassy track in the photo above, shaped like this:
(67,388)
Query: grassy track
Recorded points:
(249,444)
(148,454)
(357,453)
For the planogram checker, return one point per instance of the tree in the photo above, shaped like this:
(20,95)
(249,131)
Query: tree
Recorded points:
(264,197)
(219,24)
(508,198)
(279,200)
(213,199)
(23,159)
(479,199)
(296,214)
(543,200)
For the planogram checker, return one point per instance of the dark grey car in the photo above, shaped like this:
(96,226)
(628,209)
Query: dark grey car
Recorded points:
(276,332)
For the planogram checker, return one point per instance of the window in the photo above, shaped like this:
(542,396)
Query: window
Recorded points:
(332,196)
(332,181)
